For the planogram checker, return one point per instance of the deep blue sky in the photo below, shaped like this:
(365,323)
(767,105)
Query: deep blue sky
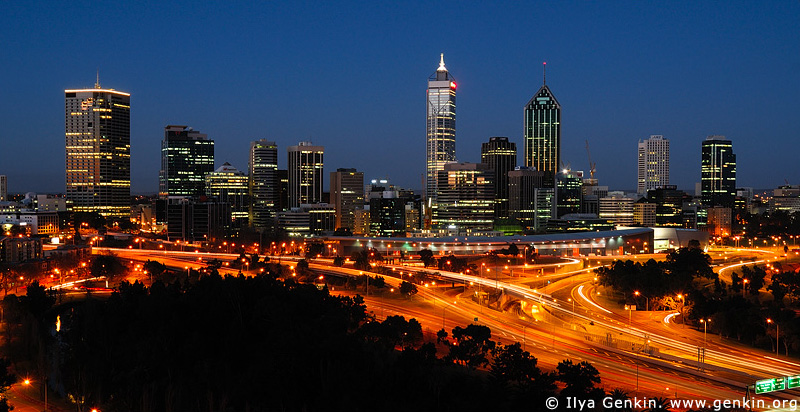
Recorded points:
(352,77)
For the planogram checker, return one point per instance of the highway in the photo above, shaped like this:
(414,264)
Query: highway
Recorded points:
(555,331)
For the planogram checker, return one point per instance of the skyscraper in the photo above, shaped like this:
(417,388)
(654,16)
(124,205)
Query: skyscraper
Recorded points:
(305,174)
(501,156)
(441,127)
(466,198)
(347,195)
(187,156)
(653,164)
(230,186)
(543,131)
(97,129)
(530,201)
(718,172)
(569,192)
(264,182)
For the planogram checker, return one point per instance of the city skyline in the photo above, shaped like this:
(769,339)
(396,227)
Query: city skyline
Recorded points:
(614,91)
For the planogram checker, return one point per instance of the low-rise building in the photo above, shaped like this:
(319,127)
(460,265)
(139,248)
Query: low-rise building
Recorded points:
(20,249)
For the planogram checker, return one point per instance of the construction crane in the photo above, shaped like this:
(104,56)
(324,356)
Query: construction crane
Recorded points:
(592,169)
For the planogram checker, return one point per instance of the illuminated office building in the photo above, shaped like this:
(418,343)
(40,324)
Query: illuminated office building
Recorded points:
(466,198)
(230,186)
(264,182)
(669,205)
(347,195)
(617,209)
(97,128)
(441,128)
(569,192)
(187,156)
(305,174)
(543,131)
(718,172)
(653,164)
(501,156)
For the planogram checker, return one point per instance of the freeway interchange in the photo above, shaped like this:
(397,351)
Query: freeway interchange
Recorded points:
(644,352)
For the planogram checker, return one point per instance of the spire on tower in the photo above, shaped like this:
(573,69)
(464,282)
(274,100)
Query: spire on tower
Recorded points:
(441,64)
(544,73)
(97,83)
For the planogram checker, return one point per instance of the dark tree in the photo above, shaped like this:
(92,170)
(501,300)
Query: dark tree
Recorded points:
(6,380)
(107,265)
(154,268)
(579,380)
(512,365)
(472,345)
(426,256)
(407,288)
(302,266)
(441,336)
(360,260)
(338,261)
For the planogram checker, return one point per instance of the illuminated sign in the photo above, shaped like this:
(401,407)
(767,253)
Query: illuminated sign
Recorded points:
(770,385)
(793,382)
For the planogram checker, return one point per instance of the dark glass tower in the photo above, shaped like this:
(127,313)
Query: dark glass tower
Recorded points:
(530,201)
(441,127)
(718,172)
(264,182)
(569,192)
(543,131)
(187,156)
(98,150)
(501,156)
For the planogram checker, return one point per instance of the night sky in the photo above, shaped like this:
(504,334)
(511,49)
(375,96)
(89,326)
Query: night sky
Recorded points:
(352,77)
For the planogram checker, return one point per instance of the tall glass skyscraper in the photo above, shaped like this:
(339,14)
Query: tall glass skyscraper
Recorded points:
(97,128)
(264,182)
(441,128)
(187,156)
(543,131)
(718,172)
(501,156)
(230,186)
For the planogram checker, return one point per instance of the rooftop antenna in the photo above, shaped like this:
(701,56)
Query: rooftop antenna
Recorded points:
(544,73)
(97,83)
(441,64)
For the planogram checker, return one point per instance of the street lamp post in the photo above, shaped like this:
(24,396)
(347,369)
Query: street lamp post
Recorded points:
(629,308)
(705,330)
(573,309)
(777,335)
